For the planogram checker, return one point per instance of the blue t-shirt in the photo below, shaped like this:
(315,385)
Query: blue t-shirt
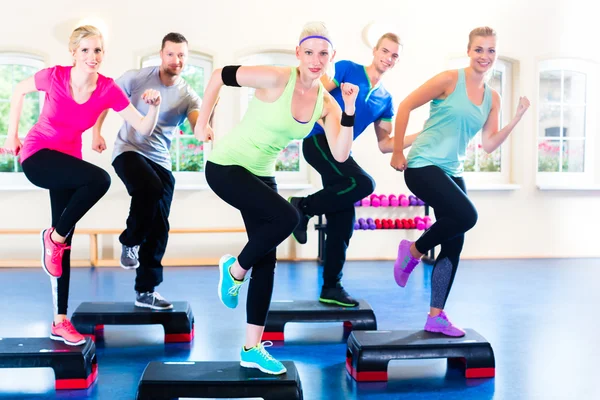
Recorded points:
(372,104)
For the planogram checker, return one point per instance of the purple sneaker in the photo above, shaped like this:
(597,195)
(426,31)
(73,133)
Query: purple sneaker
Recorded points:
(441,324)
(405,263)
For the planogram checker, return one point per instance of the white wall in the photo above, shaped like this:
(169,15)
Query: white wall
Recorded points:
(521,223)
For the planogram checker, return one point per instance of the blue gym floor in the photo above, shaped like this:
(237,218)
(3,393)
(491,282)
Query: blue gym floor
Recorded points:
(539,316)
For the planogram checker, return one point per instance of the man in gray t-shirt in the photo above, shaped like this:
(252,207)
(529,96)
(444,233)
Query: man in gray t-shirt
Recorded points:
(144,165)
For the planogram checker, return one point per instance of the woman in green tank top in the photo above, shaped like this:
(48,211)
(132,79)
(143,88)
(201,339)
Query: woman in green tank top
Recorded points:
(461,105)
(286,105)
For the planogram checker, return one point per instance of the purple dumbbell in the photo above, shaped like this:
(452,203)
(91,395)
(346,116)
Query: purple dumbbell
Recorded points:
(371,223)
(358,204)
(412,200)
(420,202)
(362,223)
(356,226)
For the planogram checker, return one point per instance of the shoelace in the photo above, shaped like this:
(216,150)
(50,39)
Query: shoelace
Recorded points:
(68,326)
(58,252)
(132,252)
(235,289)
(264,352)
(157,296)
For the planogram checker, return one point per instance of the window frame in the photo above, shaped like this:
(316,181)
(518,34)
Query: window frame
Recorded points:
(15,180)
(590,69)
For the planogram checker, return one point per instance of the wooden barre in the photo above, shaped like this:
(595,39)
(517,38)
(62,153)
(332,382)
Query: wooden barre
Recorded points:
(96,262)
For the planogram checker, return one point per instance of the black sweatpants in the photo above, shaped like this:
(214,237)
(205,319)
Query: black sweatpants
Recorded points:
(75,186)
(454,214)
(269,220)
(343,185)
(151,189)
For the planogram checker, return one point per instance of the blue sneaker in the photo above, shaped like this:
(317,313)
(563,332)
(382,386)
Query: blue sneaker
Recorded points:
(229,288)
(258,357)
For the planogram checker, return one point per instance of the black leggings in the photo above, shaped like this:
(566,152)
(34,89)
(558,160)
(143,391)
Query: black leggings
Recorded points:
(269,220)
(75,186)
(343,185)
(454,214)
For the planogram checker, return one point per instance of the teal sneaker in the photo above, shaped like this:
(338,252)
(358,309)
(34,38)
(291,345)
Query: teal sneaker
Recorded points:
(258,357)
(229,288)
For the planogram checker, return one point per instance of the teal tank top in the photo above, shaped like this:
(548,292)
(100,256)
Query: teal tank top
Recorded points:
(265,130)
(452,123)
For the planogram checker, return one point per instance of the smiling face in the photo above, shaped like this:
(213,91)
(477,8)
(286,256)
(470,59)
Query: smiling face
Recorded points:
(386,55)
(173,57)
(89,54)
(315,55)
(482,52)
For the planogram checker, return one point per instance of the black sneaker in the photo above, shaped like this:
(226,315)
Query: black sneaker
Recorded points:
(152,300)
(337,296)
(300,233)
(129,257)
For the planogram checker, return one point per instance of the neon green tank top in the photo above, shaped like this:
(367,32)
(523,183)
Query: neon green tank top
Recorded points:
(265,130)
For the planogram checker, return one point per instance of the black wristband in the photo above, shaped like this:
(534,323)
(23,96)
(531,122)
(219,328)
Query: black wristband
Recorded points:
(347,120)
(228,75)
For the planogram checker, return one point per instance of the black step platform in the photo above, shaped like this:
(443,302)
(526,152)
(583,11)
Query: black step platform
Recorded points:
(171,380)
(369,352)
(284,311)
(74,367)
(90,317)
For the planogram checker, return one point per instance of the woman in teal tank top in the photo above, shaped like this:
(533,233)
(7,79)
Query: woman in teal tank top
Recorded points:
(286,105)
(461,105)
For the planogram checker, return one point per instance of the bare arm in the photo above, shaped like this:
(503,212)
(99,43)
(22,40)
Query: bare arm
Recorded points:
(144,125)
(97,130)
(193,118)
(385,140)
(432,89)
(491,136)
(260,77)
(12,143)
(340,137)
(16,104)
(328,83)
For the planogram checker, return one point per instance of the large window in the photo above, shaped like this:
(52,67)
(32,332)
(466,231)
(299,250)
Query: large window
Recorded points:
(565,122)
(13,69)
(481,167)
(291,168)
(187,154)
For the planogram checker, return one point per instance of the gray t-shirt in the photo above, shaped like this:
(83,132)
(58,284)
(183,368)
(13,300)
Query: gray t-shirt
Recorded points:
(177,102)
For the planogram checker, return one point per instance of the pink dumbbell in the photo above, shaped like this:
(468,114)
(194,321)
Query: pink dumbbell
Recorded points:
(375,202)
(403,200)
(366,202)
(420,223)
(393,200)
(384,201)
(427,222)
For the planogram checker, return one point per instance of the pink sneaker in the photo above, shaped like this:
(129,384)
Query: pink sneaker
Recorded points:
(405,263)
(66,332)
(52,254)
(441,324)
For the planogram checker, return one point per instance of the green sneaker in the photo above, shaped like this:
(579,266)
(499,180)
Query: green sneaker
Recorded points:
(258,357)
(229,288)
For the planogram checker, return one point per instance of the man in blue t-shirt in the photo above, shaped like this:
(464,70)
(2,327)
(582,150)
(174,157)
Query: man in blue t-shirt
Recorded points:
(346,183)
(144,165)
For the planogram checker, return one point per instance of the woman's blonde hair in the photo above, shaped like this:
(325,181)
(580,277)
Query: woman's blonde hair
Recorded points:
(84,32)
(315,28)
(482,31)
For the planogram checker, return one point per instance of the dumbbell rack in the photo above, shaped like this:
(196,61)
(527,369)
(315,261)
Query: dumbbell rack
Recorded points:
(320,227)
